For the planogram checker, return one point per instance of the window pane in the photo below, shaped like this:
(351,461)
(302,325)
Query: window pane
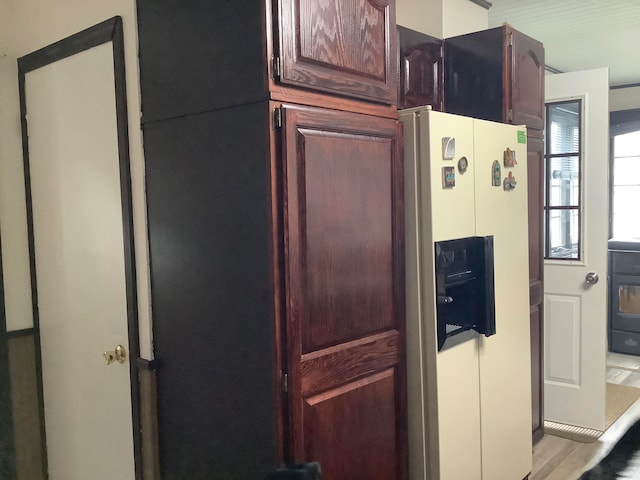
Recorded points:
(626,171)
(563,234)
(627,145)
(629,299)
(564,119)
(562,170)
(564,179)
(626,220)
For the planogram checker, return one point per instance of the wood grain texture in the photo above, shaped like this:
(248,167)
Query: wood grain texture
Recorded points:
(346,193)
(344,275)
(337,27)
(353,360)
(363,429)
(217,200)
(344,47)
(421,70)
(284,93)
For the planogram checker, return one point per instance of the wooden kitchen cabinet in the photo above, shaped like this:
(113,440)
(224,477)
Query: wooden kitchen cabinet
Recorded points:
(344,270)
(495,74)
(275,218)
(420,70)
(342,47)
(498,75)
(210,55)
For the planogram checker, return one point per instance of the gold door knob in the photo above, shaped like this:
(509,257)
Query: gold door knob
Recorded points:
(119,355)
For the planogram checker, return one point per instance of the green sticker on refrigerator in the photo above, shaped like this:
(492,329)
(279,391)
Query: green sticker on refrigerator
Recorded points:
(522,136)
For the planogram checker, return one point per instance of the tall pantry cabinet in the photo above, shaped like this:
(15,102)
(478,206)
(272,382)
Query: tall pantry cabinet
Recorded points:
(274,192)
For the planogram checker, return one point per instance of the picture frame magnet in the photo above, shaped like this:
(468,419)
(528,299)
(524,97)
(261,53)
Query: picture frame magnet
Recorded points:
(448,177)
(448,148)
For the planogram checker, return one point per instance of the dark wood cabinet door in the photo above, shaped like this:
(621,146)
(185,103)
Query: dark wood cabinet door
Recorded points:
(473,75)
(526,80)
(535,190)
(344,284)
(421,74)
(343,47)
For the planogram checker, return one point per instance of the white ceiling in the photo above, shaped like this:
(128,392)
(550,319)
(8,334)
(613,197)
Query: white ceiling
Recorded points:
(580,34)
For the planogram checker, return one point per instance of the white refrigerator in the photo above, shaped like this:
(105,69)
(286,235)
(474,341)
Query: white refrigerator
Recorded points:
(469,397)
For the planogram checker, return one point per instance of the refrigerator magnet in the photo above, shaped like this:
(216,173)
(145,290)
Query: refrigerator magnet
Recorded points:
(510,158)
(510,182)
(448,148)
(496,174)
(463,164)
(448,177)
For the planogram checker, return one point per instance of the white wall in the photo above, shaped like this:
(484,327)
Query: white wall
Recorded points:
(462,16)
(442,18)
(421,15)
(624,98)
(25,26)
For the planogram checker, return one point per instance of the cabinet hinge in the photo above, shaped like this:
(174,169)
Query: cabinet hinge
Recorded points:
(510,114)
(277,117)
(284,382)
(276,68)
(511,39)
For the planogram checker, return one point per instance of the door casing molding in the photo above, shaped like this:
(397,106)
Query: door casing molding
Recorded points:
(107,31)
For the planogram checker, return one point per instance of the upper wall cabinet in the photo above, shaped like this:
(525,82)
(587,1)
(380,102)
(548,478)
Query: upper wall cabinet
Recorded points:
(420,70)
(344,47)
(495,74)
(203,55)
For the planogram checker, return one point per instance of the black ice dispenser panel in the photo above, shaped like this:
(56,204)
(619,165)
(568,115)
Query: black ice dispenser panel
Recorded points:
(464,287)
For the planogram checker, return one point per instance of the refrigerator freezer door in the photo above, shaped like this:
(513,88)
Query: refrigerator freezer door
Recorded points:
(505,361)
(451,207)
(452,217)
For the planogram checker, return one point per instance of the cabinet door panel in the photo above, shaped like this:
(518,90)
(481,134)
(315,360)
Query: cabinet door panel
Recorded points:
(421,74)
(473,74)
(344,291)
(527,81)
(537,399)
(353,407)
(535,179)
(535,189)
(345,47)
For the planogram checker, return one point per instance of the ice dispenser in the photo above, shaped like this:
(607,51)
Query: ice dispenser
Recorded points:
(464,287)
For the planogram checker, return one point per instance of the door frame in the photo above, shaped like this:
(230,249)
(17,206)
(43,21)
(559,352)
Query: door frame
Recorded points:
(107,31)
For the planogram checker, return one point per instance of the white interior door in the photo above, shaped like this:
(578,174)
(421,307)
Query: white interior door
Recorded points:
(80,266)
(575,314)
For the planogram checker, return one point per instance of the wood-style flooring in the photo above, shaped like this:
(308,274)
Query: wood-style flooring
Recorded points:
(556,458)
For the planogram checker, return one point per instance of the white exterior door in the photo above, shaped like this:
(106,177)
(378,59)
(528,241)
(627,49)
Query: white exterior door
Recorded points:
(80,266)
(575,342)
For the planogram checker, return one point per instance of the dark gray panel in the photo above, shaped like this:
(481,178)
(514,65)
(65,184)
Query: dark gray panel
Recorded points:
(473,74)
(212,292)
(200,55)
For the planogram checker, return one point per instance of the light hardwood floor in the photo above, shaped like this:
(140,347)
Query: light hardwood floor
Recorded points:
(556,458)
